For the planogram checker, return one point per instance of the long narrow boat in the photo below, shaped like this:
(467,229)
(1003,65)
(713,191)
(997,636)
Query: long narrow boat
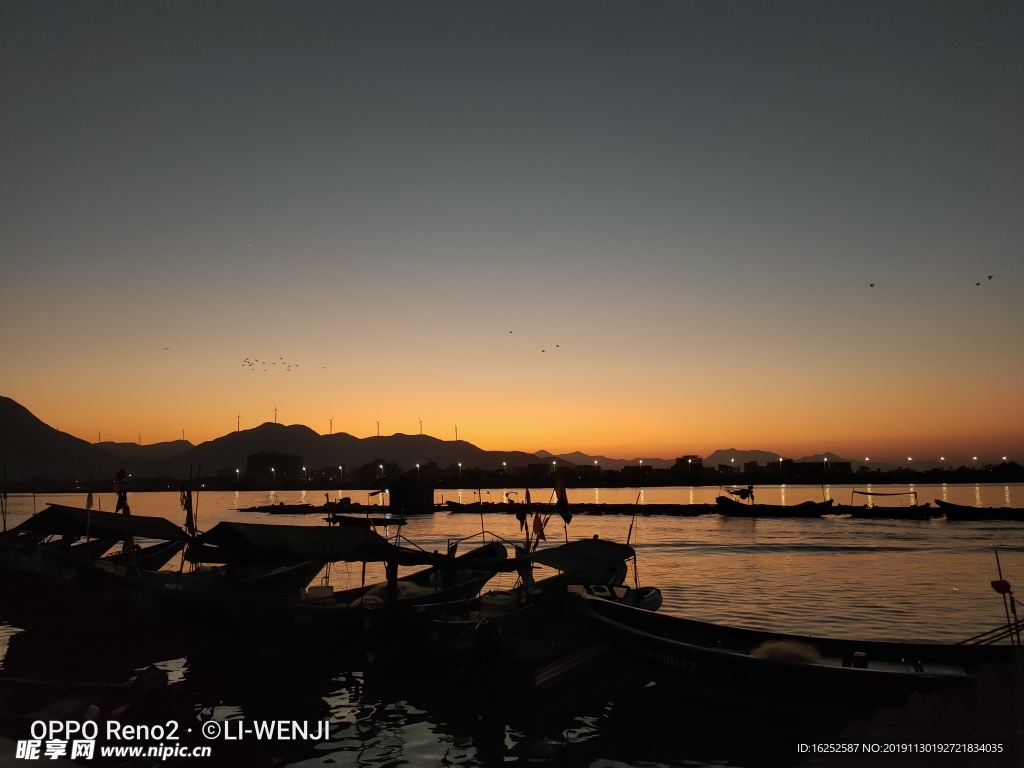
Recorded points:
(771,669)
(337,518)
(968,513)
(224,601)
(878,512)
(733,508)
(901,511)
(280,508)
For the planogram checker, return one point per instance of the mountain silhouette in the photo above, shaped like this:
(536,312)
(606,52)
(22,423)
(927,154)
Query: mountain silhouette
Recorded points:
(34,450)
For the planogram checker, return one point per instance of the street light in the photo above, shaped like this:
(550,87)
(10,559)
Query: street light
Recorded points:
(460,471)
(504,466)
(381,471)
(417,471)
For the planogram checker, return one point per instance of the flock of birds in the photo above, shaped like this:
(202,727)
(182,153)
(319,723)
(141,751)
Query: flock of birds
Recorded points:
(557,346)
(872,285)
(257,365)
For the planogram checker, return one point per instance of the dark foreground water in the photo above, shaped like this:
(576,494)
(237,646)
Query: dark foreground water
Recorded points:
(871,579)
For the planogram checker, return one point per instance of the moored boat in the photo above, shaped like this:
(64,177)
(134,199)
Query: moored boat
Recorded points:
(287,607)
(734,508)
(280,508)
(525,638)
(901,511)
(968,513)
(774,669)
(53,571)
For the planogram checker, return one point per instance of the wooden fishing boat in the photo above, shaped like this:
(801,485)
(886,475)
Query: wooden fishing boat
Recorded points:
(336,518)
(525,638)
(901,511)
(61,544)
(734,508)
(770,669)
(53,574)
(968,513)
(262,584)
(522,648)
(385,610)
(280,508)
(877,512)
(600,564)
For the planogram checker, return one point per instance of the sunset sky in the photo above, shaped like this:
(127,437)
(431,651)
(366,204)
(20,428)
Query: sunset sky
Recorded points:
(626,228)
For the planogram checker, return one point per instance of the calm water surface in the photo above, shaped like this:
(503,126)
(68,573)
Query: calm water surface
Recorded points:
(877,579)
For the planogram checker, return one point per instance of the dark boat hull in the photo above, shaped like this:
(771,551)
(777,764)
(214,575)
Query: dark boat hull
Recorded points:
(909,512)
(967,513)
(769,668)
(522,647)
(728,506)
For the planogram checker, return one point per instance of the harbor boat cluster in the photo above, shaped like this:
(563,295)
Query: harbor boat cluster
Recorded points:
(484,613)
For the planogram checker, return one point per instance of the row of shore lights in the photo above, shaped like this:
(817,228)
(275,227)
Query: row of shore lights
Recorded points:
(974,460)
(504,464)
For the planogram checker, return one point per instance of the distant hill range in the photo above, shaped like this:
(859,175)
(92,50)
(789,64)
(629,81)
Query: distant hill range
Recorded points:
(35,450)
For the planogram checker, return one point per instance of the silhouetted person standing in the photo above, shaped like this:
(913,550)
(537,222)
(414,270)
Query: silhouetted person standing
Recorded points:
(121,489)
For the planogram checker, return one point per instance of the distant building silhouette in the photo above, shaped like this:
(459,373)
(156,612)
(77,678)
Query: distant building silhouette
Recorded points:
(689,463)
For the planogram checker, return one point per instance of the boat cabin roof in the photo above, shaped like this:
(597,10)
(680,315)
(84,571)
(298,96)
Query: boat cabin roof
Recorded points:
(59,520)
(257,542)
(581,555)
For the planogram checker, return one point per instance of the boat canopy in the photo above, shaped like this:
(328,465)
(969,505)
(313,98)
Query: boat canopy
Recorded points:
(581,555)
(911,494)
(59,520)
(258,543)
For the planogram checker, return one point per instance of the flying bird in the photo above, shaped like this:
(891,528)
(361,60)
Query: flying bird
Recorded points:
(871,285)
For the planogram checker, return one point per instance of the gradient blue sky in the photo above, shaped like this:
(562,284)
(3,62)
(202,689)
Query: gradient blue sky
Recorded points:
(690,199)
